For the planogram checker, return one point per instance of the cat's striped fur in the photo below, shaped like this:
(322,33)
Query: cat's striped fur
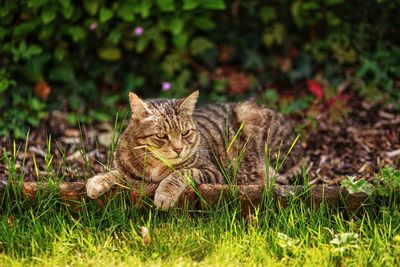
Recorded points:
(168,141)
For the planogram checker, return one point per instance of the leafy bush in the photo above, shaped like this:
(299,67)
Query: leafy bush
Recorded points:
(388,184)
(89,54)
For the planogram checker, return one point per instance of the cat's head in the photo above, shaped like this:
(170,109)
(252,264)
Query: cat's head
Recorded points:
(164,127)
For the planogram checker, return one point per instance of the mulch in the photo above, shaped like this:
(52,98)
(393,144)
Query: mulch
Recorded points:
(367,139)
(357,144)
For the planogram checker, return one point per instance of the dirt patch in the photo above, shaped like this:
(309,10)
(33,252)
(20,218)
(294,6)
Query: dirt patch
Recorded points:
(358,145)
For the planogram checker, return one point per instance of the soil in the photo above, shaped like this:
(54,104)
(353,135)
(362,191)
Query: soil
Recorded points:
(357,144)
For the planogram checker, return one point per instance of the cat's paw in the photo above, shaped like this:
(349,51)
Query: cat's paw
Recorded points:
(97,186)
(164,201)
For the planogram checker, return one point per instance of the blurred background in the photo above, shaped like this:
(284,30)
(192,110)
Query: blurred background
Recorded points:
(302,57)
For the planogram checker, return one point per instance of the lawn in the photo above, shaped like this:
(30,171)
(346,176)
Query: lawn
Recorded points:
(49,233)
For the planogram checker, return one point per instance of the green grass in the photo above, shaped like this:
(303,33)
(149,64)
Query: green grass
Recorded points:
(49,233)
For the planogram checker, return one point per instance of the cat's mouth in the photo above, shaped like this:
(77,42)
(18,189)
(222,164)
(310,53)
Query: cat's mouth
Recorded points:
(178,157)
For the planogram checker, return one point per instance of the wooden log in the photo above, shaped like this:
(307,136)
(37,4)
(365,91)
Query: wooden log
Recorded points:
(327,195)
(208,195)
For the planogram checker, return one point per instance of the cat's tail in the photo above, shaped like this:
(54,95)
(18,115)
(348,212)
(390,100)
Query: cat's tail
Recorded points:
(294,172)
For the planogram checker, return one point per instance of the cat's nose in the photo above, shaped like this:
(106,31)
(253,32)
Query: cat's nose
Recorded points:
(178,150)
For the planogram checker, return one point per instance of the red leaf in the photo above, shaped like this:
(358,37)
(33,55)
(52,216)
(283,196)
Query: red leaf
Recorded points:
(315,88)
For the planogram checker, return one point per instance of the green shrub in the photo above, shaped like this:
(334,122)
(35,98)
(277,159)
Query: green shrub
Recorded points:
(89,54)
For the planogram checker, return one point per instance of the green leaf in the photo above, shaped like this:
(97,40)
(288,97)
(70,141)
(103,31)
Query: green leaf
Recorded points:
(65,3)
(49,14)
(190,4)
(72,118)
(199,45)
(3,32)
(267,14)
(37,3)
(34,67)
(36,104)
(114,37)
(105,14)
(77,33)
(99,115)
(142,44)
(176,25)
(67,11)
(296,13)
(126,13)
(344,239)
(25,28)
(180,40)
(334,2)
(8,7)
(5,83)
(359,186)
(271,95)
(132,82)
(60,53)
(110,53)
(172,63)
(159,43)
(91,6)
(145,8)
(213,4)
(309,5)
(203,23)
(33,50)
(166,5)
(62,73)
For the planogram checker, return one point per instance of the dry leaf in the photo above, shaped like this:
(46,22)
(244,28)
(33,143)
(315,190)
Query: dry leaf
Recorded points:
(42,90)
(146,239)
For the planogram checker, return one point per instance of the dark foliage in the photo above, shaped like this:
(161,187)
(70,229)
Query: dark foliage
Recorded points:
(85,56)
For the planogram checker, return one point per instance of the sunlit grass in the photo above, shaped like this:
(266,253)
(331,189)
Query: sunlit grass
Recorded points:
(49,232)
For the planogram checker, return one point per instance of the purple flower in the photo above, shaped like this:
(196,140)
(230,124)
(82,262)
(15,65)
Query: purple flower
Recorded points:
(251,98)
(166,86)
(138,30)
(93,26)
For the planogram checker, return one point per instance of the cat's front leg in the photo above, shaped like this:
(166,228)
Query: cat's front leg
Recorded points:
(170,188)
(102,183)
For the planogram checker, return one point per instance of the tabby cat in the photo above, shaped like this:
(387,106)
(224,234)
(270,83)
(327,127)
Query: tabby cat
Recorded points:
(169,141)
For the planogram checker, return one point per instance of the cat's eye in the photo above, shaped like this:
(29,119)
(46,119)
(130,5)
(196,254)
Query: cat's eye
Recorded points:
(161,136)
(185,133)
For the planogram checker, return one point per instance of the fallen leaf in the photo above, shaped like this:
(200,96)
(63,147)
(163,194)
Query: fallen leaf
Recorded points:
(146,239)
(315,88)
(72,133)
(42,90)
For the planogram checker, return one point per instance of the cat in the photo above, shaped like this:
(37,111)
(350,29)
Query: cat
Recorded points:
(169,142)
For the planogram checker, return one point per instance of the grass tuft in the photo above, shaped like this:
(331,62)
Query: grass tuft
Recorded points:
(51,233)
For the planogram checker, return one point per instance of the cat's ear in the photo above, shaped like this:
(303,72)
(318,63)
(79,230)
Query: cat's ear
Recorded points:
(138,107)
(188,103)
